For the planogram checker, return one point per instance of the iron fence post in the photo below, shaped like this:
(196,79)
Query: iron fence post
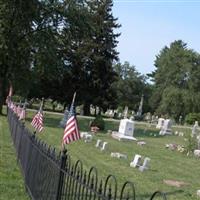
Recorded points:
(61,175)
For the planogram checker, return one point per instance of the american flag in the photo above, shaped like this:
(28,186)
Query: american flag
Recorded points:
(19,109)
(37,121)
(10,93)
(71,132)
(23,112)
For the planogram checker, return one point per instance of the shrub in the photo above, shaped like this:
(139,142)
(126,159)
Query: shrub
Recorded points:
(192,117)
(99,122)
(191,144)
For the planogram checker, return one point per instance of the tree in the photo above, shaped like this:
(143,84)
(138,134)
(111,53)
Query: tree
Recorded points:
(130,86)
(104,42)
(16,19)
(177,78)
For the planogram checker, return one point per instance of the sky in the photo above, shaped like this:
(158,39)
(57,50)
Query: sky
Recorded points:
(147,26)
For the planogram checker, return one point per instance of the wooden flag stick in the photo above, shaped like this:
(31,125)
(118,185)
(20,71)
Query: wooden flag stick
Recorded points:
(73,98)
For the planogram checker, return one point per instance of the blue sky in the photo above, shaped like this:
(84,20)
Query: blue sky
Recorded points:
(148,26)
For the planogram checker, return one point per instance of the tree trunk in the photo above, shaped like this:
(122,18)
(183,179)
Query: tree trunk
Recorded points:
(86,109)
(2,94)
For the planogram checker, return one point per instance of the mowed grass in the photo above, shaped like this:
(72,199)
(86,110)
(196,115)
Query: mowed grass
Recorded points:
(165,164)
(11,182)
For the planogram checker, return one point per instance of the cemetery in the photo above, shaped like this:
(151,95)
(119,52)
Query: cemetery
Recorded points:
(150,165)
(99,100)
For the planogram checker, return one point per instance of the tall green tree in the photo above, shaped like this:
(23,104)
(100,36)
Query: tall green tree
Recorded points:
(16,18)
(104,42)
(130,86)
(177,78)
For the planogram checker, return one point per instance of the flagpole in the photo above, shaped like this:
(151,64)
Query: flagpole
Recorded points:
(73,98)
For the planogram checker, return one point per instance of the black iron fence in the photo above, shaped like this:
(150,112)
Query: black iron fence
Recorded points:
(52,176)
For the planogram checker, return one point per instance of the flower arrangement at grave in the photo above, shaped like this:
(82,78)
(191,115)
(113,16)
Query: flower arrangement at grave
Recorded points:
(97,124)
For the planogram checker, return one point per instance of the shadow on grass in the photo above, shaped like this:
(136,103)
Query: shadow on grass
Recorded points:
(147,196)
(146,133)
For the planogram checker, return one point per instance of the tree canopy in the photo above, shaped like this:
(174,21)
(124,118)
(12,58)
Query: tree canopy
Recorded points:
(177,80)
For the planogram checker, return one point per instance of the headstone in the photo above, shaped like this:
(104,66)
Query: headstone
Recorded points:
(88,138)
(145,165)
(166,129)
(198,141)
(160,123)
(126,127)
(65,118)
(104,146)
(126,112)
(136,161)
(139,112)
(82,134)
(118,155)
(195,128)
(141,143)
(198,193)
(119,115)
(126,130)
(98,143)
(197,153)
(180,119)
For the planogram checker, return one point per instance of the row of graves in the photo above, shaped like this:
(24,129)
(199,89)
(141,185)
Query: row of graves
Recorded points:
(126,133)
(141,162)
(165,127)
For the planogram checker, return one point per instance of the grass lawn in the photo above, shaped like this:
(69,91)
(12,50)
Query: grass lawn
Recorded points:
(165,164)
(11,181)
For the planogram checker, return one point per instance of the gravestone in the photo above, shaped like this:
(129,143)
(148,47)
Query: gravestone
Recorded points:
(88,138)
(118,155)
(160,123)
(98,143)
(136,161)
(145,165)
(126,112)
(139,112)
(104,146)
(126,130)
(166,128)
(195,128)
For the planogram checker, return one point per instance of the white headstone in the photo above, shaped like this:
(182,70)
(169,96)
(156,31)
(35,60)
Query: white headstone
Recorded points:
(126,127)
(197,153)
(136,161)
(126,112)
(198,193)
(88,138)
(166,128)
(118,155)
(195,128)
(98,143)
(104,146)
(145,165)
(160,123)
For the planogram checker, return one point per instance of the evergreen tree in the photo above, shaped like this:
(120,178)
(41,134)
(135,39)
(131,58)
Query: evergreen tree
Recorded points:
(177,78)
